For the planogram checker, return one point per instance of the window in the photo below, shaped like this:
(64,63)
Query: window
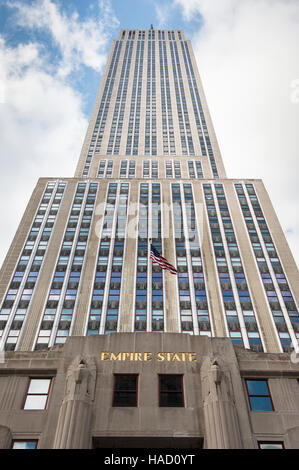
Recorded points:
(259,395)
(24,444)
(270,445)
(37,394)
(125,390)
(171,390)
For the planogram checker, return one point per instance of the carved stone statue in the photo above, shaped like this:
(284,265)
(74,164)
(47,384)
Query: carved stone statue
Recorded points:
(80,379)
(219,407)
(72,432)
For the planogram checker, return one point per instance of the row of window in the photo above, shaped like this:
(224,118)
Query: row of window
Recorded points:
(170,392)
(183,116)
(106,294)
(125,391)
(149,296)
(151,33)
(238,307)
(100,124)
(167,119)
(150,169)
(120,103)
(60,306)
(134,117)
(150,143)
(193,302)
(280,299)
(199,125)
(200,120)
(16,303)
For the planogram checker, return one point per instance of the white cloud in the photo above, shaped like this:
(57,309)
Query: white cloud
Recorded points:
(162,13)
(80,42)
(247,53)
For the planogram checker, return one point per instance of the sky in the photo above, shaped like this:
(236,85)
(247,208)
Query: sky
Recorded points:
(53,53)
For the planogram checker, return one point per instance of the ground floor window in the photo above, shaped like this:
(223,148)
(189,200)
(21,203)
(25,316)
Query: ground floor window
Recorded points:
(24,444)
(270,445)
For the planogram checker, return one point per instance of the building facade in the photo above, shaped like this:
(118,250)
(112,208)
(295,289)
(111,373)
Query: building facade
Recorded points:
(101,347)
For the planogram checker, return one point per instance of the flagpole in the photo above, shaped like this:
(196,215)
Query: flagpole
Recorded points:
(150,265)
(149,276)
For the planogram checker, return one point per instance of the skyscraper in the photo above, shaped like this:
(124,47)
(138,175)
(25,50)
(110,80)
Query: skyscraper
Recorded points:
(87,319)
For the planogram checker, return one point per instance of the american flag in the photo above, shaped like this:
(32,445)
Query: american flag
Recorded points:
(157,258)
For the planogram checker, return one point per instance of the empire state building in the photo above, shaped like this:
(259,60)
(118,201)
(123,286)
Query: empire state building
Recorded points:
(100,345)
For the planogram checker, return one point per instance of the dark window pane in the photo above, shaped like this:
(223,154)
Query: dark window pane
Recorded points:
(171,399)
(124,399)
(125,382)
(170,382)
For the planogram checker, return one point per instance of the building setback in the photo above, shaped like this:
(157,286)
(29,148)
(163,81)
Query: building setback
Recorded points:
(101,347)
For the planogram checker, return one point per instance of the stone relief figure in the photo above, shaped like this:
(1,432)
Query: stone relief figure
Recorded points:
(216,381)
(219,406)
(80,379)
(72,432)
